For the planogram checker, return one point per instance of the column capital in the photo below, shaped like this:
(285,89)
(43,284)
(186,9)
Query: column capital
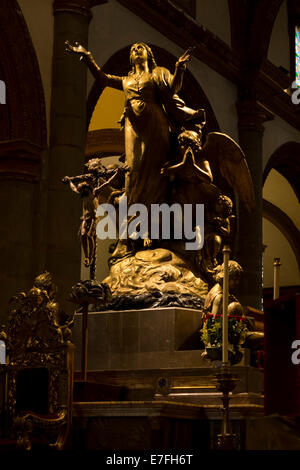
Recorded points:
(20,159)
(81,7)
(252,115)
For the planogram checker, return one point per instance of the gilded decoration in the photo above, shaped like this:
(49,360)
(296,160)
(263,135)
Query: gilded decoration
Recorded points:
(38,345)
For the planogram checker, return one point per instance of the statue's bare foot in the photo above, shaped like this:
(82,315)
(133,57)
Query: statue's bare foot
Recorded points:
(147,243)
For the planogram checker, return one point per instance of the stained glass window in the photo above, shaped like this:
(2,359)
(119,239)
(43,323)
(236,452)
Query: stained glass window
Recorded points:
(297,58)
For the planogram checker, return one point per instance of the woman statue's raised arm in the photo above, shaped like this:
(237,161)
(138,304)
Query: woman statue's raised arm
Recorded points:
(179,70)
(86,57)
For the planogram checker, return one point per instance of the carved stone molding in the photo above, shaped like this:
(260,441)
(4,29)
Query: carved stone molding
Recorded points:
(105,142)
(188,6)
(94,3)
(252,115)
(81,7)
(20,160)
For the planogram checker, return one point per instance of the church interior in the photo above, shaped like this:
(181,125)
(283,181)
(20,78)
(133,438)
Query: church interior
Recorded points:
(78,370)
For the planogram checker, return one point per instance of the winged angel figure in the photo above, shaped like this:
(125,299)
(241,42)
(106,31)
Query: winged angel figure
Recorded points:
(192,181)
(156,171)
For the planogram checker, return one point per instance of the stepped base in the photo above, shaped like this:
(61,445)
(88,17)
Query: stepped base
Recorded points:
(148,386)
(142,339)
(186,385)
(167,426)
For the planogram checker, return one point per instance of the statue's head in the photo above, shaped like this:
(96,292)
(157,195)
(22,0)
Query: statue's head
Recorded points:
(141,51)
(189,139)
(235,272)
(45,282)
(224,205)
(94,164)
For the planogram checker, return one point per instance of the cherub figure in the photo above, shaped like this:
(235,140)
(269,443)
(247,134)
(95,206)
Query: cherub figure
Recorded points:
(191,178)
(211,332)
(214,299)
(44,283)
(192,183)
(217,231)
(245,335)
(192,167)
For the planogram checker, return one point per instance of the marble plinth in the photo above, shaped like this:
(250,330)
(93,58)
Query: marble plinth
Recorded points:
(154,354)
(141,339)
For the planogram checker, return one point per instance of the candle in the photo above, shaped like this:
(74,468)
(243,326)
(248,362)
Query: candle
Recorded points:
(277,265)
(226,252)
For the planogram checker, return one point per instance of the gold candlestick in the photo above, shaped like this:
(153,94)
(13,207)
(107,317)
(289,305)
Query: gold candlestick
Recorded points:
(225,383)
(226,252)
(276,265)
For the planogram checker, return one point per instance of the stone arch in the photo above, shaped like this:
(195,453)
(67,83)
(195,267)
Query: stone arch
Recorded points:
(23,136)
(286,161)
(20,71)
(23,130)
(286,226)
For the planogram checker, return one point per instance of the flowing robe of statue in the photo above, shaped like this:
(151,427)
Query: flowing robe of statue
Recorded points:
(151,110)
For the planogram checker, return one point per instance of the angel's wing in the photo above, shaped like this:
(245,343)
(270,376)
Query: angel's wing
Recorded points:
(230,158)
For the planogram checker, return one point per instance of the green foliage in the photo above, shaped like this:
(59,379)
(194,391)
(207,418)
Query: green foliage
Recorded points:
(211,334)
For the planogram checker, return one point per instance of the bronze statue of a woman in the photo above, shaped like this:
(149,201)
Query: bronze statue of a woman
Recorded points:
(158,172)
(152,109)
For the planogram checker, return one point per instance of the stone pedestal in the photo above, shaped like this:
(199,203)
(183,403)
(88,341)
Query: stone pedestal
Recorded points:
(155,354)
(141,339)
(154,384)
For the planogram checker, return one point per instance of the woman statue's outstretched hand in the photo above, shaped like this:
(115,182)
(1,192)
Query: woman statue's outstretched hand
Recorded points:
(87,58)
(186,57)
(77,49)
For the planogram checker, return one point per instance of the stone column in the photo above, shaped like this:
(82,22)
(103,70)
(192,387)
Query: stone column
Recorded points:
(249,226)
(19,176)
(67,144)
